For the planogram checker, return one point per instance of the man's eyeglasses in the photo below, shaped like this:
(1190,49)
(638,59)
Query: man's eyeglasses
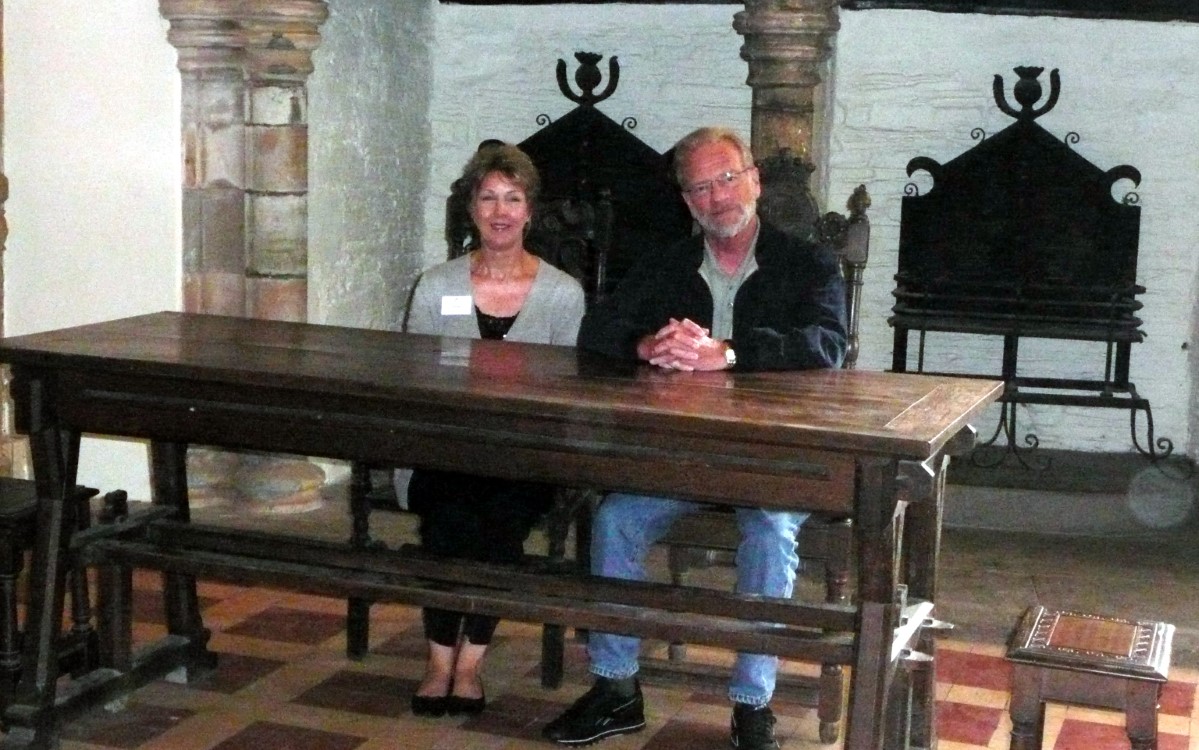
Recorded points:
(704,189)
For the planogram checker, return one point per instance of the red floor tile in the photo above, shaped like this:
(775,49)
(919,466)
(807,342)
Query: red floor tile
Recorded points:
(410,645)
(517,717)
(262,735)
(235,671)
(148,606)
(361,693)
(129,728)
(688,735)
(970,725)
(975,670)
(1178,698)
(1087,735)
(290,626)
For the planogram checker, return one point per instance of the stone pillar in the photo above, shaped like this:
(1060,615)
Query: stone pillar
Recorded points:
(13,448)
(244,66)
(788,44)
(279,63)
(211,61)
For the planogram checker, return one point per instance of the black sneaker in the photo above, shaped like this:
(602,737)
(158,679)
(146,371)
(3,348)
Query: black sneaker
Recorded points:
(753,727)
(601,712)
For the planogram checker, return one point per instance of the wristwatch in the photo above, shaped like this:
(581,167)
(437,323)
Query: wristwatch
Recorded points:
(730,356)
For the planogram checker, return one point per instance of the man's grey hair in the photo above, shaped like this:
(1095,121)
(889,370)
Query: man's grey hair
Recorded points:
(688,144)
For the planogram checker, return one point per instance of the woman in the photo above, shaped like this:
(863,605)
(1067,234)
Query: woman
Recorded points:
(498,290)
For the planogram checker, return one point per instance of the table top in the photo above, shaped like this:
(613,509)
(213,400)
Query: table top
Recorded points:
(903,415)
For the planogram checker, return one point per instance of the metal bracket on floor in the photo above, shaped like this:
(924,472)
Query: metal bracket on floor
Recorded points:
(911,621)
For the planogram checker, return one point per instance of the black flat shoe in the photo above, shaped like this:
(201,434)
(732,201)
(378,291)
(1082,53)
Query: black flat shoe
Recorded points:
(431,706)
(456,705)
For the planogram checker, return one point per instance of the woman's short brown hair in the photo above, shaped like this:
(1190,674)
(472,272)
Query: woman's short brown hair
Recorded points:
(508,160)
(491,156)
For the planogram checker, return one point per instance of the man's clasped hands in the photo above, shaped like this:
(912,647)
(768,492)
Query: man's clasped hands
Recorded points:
(683,345)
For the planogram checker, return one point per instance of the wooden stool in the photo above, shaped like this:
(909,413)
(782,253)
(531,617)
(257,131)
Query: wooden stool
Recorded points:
(1089,660)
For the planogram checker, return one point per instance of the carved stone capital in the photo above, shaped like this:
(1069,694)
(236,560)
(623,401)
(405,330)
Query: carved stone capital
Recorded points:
(269,39)
(787,45)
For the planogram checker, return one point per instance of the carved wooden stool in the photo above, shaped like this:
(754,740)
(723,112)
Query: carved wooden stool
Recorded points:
(1104,662)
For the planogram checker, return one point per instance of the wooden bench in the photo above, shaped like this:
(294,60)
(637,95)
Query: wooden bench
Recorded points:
(18,527)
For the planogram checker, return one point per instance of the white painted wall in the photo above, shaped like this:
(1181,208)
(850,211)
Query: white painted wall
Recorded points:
(91,104)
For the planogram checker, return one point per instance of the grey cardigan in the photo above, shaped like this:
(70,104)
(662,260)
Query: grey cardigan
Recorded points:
(551,313)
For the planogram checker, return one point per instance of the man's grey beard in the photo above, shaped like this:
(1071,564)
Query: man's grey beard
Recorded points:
(731,230)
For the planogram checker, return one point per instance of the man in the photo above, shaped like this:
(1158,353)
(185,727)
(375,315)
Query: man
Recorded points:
(744,296)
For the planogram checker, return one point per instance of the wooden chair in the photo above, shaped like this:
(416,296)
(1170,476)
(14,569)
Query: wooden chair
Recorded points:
(711,537)
(605,196)
(18,525)
(574,235)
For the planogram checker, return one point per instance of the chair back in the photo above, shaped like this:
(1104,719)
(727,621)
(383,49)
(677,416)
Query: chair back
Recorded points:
(788,203)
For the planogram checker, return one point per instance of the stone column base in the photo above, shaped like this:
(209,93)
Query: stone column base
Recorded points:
(259,483)
(14,457)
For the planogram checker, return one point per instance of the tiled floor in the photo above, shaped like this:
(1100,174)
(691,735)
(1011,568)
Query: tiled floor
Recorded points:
(283,680)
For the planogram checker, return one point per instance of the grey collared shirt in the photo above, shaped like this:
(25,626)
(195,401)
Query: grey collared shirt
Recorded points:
(724,286)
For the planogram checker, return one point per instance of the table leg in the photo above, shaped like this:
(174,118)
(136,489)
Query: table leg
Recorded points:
(168,478)
(878,528)
(114,615)
(922,545)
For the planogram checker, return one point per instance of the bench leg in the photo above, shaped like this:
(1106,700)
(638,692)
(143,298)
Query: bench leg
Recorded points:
(358,610)
(553,649)
(83,635)
(12,560)
(358,623)
(115,616)
(1027,709)
(1140,714)
(114,584)
(832,695)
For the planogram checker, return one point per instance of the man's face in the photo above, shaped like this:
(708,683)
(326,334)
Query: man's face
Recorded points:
(720,190)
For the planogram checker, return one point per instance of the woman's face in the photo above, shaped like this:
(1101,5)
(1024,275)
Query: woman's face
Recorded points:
(500,211)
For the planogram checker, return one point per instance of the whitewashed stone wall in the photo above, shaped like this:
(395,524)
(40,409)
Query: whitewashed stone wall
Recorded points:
(915,83)
(906,83)
(494,73)
(369,161)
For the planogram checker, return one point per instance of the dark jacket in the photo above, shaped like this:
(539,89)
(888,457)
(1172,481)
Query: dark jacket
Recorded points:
(788,315)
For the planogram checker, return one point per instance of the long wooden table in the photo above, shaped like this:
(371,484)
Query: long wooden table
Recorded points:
(871,446)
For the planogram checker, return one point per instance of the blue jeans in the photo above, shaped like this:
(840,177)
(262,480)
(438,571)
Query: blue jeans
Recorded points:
(626,526)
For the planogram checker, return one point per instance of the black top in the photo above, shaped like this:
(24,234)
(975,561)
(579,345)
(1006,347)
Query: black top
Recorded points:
(491,327)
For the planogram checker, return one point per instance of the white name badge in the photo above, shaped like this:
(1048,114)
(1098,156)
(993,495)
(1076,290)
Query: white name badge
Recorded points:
(456,304)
